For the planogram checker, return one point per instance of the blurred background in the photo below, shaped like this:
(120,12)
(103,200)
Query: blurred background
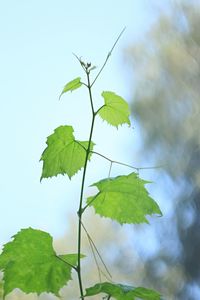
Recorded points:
(156,68)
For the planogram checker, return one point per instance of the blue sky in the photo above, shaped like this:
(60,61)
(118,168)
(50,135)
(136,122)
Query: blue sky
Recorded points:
(37,42)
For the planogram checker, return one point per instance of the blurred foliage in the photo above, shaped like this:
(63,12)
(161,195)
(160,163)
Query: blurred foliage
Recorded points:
(166,103)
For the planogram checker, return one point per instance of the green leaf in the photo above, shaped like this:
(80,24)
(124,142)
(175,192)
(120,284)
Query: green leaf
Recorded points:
(115,110)
(64,154)
(72,85)
(30,263)
(124,199)
(123,292)
(1,289)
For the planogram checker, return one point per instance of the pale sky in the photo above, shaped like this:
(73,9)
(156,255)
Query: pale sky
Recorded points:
(37,42)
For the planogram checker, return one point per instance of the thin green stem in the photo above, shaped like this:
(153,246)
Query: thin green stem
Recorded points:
(97,251)
(80,211)
(95,259)
(108,55)
(91,102)
(110,169)
(114,161)
(126,165)
(84,83)
(99,109)
(88,204)
(88,151)
(67,263)
(81,63)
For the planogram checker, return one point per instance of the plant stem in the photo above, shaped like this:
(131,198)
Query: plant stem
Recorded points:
(126,165)
(97,251)
(80,211)
(108,55)
(88,151)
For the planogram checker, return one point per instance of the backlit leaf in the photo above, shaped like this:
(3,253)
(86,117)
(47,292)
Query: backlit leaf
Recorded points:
(30,263)
(64,154)
(124,199)
(72,85)
(123,292)
(115,110)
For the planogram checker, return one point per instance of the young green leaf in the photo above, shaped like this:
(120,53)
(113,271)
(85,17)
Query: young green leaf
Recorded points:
(122,292)
(63,155)
(72,85)
(124,199)
(115,109)
(30,263)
